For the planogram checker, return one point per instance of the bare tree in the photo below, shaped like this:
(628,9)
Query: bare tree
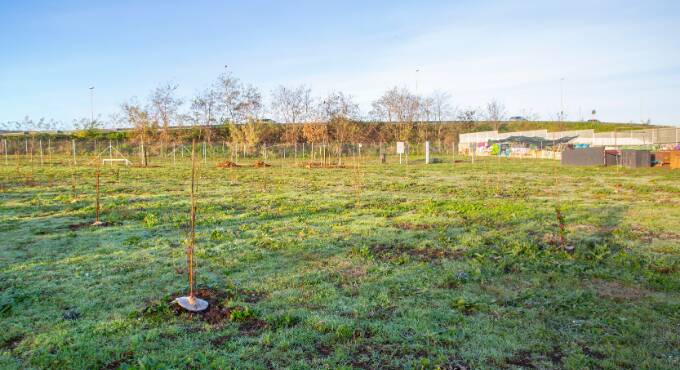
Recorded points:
(237,103)
(142,124)
(467,119)
(339,110)
(204,108)
(164,105)
(250,106)
(529,115)
(441,110)
(82,123)
(426,109)
(292,105)
(441,105)
(27,124)
(400,107)
(228,91)
(495,113)
(338,105)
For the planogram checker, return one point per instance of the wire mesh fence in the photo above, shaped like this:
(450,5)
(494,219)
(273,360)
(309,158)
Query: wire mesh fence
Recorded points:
(50,150)
(127,152)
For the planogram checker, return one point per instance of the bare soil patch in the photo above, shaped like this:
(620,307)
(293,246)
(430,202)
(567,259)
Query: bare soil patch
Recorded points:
(116,364)
(617,291)
(12,342)
(323,349)
(592,353)
(412,226)
(393,252)
(76,227)
(522,359)
(217,313)
(648,236)
(219,341)
(252,326)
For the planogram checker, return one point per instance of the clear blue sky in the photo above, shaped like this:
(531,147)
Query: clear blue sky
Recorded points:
(619,57)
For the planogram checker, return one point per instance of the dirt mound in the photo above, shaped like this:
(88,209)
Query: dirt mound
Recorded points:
(260,164)
(218,312)
(227,164)
(215,313)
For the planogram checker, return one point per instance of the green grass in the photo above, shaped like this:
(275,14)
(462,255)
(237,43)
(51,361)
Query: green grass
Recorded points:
(553,126)
(391,266)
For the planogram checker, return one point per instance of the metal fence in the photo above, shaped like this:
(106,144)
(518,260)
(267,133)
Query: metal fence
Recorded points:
(86,152)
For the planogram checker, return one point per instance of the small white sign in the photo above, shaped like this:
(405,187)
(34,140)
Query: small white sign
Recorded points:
(400,147)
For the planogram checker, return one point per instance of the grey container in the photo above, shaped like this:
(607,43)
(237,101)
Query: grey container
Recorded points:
(583,156)
(636,158)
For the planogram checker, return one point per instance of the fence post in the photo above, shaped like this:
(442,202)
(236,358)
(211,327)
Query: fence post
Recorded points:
(41,153)
(5,146)
(427,152)
(74,152)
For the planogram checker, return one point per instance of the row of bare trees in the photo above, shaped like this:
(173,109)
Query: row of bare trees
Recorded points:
(234,111)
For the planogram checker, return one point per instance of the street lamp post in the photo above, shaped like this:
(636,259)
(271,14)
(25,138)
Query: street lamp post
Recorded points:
(417,70)
(91,105)
(561,99)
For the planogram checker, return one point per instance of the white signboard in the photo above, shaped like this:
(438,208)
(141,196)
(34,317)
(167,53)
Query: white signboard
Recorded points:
(400,147)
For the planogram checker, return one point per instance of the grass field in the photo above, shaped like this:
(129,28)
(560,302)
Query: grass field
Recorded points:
(418,266)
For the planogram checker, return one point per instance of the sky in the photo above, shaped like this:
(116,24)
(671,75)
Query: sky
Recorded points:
(621,58)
